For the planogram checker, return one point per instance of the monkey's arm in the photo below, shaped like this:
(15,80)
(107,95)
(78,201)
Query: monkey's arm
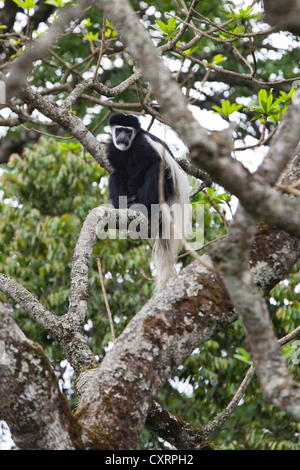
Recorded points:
(118,187)
(137,180)
(148,193)
(148,163)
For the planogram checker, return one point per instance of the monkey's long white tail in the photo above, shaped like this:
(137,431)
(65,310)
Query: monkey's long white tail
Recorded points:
(174,226)
(165,254)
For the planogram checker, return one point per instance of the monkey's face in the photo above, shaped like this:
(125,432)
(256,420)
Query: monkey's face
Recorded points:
(123,137)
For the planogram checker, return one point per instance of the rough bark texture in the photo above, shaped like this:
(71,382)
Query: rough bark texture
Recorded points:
(31,403)
(232,260)
(115,398)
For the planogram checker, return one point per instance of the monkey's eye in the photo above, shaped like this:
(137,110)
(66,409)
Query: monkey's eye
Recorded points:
(121,130)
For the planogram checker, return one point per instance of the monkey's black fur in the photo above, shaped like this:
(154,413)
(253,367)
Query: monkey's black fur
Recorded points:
(135,156)
(136,170)
(126,120)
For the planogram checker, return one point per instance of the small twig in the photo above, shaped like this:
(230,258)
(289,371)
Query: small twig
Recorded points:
(198,190)
(204,246)
(224,414)
(214,205)
(106,301)
(101,48)
(262,140)
(243,59)
(221,417)
(289,188)
(145,275)
(155,114)
(252,51)
(55,136)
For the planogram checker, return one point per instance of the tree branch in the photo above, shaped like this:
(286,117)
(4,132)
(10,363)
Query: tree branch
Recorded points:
(64,329)
(68,121)
(31,403)
(22,67)
(231,259)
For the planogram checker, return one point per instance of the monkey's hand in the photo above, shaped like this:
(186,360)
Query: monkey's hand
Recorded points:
(131,200)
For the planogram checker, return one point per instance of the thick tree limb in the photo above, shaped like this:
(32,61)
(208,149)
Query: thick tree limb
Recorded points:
(175,431)
(31,403)
(115,397)
(232,260)
(64,329)
(95,222)
(68,121)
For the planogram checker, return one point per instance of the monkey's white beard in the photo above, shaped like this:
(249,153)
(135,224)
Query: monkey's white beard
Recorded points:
(122,146)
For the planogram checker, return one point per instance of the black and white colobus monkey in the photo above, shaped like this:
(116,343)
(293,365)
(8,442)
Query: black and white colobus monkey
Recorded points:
(135,156)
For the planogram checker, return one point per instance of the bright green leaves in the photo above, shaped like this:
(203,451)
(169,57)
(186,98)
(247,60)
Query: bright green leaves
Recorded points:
(91,36)
(26,4)
(212,195)
(169,30)
(243,15)
(110,31)
(239,20)
(58,3)
(268,108)
(227,109)
(235,30)
(243,356)
(217,59)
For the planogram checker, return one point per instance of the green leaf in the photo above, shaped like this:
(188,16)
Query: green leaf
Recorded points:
(217,109)
(243,356)
(227,108)
(262,98)
(54,3)
(243,14)
(288,351)
(217,59)
(87,22)
(210,191)
(162,26)
(171,25)
(26,4)
(168,29)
